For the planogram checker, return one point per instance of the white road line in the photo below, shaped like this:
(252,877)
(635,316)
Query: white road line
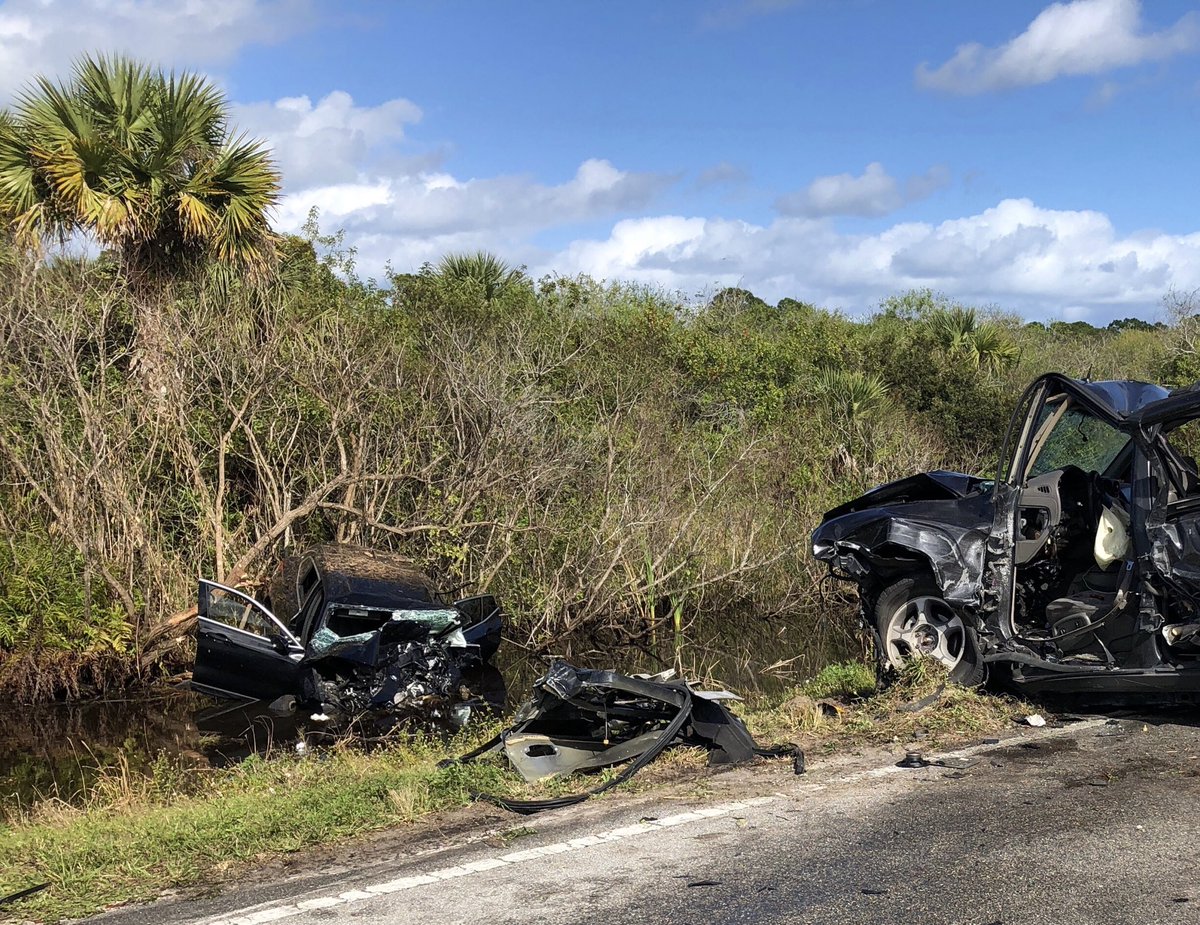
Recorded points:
(260,916)
(275,913)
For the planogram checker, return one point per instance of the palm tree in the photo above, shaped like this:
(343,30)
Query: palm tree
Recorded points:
(491,274)
(142,161)
(985,345)
(856,396)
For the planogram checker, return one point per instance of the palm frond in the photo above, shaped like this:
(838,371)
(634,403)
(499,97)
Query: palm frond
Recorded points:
(483,270)
(990,348)
(142,160)
(856,395)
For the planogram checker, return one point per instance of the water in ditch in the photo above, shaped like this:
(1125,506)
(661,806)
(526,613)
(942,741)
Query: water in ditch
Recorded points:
(60,751)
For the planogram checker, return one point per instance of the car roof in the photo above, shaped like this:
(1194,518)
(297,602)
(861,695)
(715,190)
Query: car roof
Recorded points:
(1128,401)
(376,592)
(1115,398)
(1180,405)
(369,576)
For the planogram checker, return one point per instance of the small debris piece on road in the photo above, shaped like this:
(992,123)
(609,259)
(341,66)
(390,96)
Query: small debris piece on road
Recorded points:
(912,760)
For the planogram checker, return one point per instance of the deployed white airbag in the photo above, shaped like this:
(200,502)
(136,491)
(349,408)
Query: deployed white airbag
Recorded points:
(1112,537)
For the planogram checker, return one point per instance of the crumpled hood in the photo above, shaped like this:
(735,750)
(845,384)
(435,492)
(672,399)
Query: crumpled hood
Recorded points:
(925,486)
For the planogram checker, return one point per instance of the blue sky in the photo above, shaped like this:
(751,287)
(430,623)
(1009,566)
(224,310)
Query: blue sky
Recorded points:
(1037,157)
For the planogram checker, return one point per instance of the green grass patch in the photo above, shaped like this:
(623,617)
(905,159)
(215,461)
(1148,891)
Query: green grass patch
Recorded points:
(132,838)
(846,680)
(135,836)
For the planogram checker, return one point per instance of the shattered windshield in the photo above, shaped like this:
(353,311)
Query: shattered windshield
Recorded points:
(1075,438)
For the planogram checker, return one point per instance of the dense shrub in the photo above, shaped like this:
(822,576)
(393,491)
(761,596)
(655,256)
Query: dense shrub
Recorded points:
(606,458)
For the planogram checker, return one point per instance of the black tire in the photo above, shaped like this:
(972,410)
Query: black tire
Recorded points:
(956,646)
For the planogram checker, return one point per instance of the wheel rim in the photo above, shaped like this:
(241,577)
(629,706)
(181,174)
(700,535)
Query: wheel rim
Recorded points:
(925,626)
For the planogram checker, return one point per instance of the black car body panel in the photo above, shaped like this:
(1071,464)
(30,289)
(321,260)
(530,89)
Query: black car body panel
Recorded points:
(925,486)
(1024,560)
(946,535)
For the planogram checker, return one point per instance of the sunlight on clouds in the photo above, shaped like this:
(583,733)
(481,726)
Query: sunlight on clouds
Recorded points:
(425,202)
(873,193)
(1030,259)
(1065,39)
(334,202)
(331,141)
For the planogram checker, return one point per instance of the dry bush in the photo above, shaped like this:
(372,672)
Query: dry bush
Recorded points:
(608,461)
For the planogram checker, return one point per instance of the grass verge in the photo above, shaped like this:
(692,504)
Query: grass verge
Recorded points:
(841,708)
(135,837)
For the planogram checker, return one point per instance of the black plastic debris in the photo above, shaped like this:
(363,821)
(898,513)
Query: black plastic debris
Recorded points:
(580,719)
(954,763)
(22,894)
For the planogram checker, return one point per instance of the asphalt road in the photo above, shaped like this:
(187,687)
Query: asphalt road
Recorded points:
(1094,823)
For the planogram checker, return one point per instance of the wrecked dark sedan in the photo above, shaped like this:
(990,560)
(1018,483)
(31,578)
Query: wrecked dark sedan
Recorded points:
(349,631)
(1076,570)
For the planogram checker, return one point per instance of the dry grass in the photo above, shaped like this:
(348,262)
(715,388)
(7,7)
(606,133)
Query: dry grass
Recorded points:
(919,705)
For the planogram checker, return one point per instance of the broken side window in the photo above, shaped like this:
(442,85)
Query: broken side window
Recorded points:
(237,611)
(306,619)
(307,579)
(1184,444)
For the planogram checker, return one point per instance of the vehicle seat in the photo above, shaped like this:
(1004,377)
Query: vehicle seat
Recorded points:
(1081,604)
(1067,614)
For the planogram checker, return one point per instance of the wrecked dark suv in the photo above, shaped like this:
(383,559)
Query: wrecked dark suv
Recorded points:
(1076,570)
(348,631)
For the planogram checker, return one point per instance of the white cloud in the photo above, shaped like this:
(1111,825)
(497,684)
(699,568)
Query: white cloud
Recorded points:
(437,203)
(44,36)
(873,193)
(331,142)
(1025,258)
(1065,39)
(344,159)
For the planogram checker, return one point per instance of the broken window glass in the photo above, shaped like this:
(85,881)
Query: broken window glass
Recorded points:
(237,611)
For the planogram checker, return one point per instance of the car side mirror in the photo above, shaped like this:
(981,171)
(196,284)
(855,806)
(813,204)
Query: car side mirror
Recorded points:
(279,642)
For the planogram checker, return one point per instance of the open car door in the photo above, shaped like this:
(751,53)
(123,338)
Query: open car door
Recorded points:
(1069,455)
(242,650)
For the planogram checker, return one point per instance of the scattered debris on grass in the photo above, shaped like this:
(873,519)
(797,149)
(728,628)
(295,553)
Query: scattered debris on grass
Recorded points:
(918,705)
(579,719)
(136,837)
